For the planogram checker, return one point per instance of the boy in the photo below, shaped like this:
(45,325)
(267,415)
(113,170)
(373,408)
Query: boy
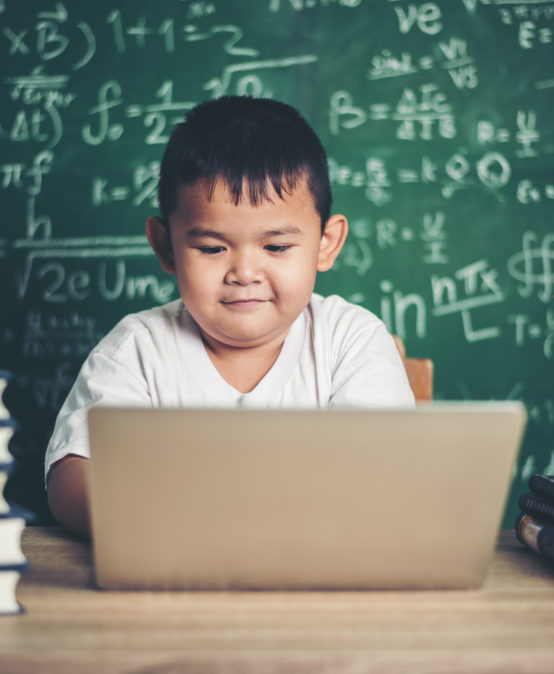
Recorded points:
(245,225)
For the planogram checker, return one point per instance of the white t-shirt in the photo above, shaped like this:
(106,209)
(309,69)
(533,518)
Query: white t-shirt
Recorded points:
(336,354)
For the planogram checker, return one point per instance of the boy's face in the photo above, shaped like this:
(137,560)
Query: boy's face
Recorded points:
(245,272)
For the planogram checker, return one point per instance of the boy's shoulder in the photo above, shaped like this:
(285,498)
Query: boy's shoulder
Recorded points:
(157,321)
(163,314)
(334,308)
(340,324)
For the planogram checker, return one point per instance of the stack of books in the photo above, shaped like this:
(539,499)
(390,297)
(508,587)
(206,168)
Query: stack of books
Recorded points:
(535,523)
(12,518)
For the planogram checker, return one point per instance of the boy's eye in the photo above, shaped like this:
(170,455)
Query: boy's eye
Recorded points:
(211,250)
(274,248)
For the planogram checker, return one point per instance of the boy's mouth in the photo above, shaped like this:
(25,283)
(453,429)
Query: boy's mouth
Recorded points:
(246,303)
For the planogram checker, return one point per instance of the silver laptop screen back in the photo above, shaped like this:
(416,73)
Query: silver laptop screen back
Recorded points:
(299,499)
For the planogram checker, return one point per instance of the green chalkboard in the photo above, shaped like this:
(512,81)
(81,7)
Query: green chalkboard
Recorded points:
(437,119)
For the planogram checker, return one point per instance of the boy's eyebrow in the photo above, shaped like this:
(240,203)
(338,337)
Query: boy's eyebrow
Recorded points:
(199,232)
(285,229)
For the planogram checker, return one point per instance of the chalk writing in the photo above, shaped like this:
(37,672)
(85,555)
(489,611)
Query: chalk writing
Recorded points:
(139,33)
(421,113)
(109,96)
(50,392)
(534,266)
(71,336)
(527,133)
(27,178)
(142,190)
(160,117)
(424,114)
(473,286)
(387,233)
(356,254)
(233,35)
(51,37)
(533,23)
(491,171)
(528,192)
(252,85)
(110,281)
(435,238)
(40,120)
(427,17)
(298,5)
(196,10)
(525,328)
(453,57)
(36,224)
(397,307)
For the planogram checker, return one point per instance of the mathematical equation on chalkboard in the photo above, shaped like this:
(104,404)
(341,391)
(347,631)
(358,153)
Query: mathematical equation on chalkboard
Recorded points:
(437,119)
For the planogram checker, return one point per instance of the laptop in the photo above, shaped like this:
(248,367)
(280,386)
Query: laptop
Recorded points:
(300,499)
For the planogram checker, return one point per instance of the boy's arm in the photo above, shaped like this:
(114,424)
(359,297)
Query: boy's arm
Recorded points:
(68,494)
(368,369)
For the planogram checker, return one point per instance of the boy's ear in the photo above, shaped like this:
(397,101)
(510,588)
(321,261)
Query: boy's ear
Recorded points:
(332,241)
(159,238)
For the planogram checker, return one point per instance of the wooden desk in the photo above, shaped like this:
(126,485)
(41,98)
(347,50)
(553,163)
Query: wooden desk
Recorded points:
(71,627)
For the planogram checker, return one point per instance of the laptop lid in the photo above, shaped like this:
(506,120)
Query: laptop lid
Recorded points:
(388,498)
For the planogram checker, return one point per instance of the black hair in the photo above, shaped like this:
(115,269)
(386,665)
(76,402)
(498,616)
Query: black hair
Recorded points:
(243,139)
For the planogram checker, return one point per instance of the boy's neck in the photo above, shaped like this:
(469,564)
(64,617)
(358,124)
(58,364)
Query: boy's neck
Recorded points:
(243,368)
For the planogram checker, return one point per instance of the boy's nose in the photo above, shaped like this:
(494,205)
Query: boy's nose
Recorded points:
(244,269)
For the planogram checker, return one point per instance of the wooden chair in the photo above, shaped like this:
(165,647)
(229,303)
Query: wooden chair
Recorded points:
(419,371)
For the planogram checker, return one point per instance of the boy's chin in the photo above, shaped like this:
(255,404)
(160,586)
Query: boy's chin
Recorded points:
(245,341)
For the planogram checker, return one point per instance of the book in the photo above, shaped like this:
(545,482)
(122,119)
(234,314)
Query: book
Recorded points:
(536,535)
(5,377)
(9,577)
(539,508)
(12,518)
(543,486)
(5,470)
(8,427)
(11,528)
(12,560)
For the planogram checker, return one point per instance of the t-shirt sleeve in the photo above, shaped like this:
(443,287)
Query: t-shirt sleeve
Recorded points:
(367,368)
(111,375)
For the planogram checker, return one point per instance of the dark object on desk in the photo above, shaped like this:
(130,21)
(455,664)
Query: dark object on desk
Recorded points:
(537,507)
(535,524)
(543,485)
(536,535)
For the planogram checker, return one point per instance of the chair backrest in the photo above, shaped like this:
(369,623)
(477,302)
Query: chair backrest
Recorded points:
(419,371)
